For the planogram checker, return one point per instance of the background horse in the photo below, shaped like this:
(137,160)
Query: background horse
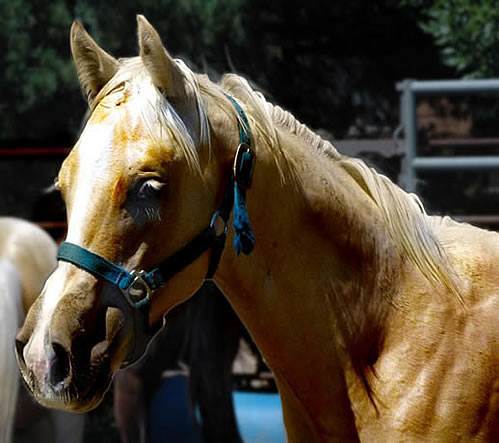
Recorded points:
(10,319)
(27,257)
(369,312)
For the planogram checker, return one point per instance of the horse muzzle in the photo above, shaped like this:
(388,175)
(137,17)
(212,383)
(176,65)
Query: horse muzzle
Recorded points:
(67,359)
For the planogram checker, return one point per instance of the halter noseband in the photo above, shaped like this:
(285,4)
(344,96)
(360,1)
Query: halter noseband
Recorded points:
(137,286)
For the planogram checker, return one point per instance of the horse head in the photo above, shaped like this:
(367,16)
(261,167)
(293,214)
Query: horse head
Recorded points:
(140,183)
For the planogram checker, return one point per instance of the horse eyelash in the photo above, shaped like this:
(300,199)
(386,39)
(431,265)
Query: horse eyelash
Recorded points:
(146,209)
(147,213)
(153,214)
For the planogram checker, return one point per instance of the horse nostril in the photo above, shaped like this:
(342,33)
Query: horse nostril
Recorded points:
(60,367)
(20,350)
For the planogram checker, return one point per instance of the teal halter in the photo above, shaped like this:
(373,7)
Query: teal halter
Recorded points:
(137,286)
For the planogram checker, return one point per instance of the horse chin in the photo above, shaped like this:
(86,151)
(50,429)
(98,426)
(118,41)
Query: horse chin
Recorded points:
(70,400)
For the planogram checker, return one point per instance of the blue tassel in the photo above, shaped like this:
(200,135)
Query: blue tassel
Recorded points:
(244,239)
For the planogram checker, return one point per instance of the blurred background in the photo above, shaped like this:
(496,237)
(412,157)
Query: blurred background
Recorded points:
(340,66)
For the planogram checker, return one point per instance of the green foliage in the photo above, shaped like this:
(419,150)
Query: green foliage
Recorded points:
(39,93)
(335,63)
(467,31)
(34,54)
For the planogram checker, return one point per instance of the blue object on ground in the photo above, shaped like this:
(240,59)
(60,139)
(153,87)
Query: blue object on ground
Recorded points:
(259,416)
(172,418)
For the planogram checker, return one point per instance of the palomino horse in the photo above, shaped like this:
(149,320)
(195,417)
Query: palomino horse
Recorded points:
(378,321)
(27,257)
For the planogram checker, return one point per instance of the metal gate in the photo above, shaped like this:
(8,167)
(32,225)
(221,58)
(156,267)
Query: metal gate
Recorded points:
(412,162)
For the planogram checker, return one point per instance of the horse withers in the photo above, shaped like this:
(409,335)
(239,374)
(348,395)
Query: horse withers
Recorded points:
(378,321)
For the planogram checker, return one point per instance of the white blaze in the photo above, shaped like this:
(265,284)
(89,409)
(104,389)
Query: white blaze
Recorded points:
(94,156)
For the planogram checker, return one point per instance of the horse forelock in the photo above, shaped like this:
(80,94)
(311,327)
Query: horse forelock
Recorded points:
(156,112)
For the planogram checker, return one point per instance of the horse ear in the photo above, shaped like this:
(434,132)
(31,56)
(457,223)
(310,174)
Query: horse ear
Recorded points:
(94,66)
(163,70)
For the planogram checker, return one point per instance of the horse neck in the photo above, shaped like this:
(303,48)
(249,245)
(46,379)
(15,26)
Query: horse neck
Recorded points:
(314,248)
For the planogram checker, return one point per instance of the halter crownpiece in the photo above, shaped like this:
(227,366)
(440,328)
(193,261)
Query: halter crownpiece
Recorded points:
(137,286)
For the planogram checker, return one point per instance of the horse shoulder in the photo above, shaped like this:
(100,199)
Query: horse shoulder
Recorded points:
(437,377)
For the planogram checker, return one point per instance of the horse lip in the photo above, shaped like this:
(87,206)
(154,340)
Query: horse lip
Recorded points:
(48,396)
(100,351)
(66,396)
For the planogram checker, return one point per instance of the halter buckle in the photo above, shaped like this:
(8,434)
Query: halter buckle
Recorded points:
(139,292)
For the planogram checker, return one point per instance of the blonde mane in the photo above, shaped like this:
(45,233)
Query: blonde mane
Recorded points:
(403,214)
(407,224)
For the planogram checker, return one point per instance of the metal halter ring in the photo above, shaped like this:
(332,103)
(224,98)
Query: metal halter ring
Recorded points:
(138,284)
(243,169)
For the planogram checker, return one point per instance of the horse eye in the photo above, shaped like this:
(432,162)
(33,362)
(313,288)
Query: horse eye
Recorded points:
(148,188)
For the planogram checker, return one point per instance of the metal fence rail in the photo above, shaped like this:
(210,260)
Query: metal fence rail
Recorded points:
(412,163)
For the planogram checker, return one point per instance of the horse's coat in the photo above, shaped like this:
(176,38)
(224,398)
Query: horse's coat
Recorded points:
(378,321)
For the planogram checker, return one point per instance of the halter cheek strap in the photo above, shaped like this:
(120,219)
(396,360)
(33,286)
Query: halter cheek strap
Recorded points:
(137,286)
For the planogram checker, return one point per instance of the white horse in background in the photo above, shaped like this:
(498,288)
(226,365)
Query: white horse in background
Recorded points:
(10,319)
(27,257)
